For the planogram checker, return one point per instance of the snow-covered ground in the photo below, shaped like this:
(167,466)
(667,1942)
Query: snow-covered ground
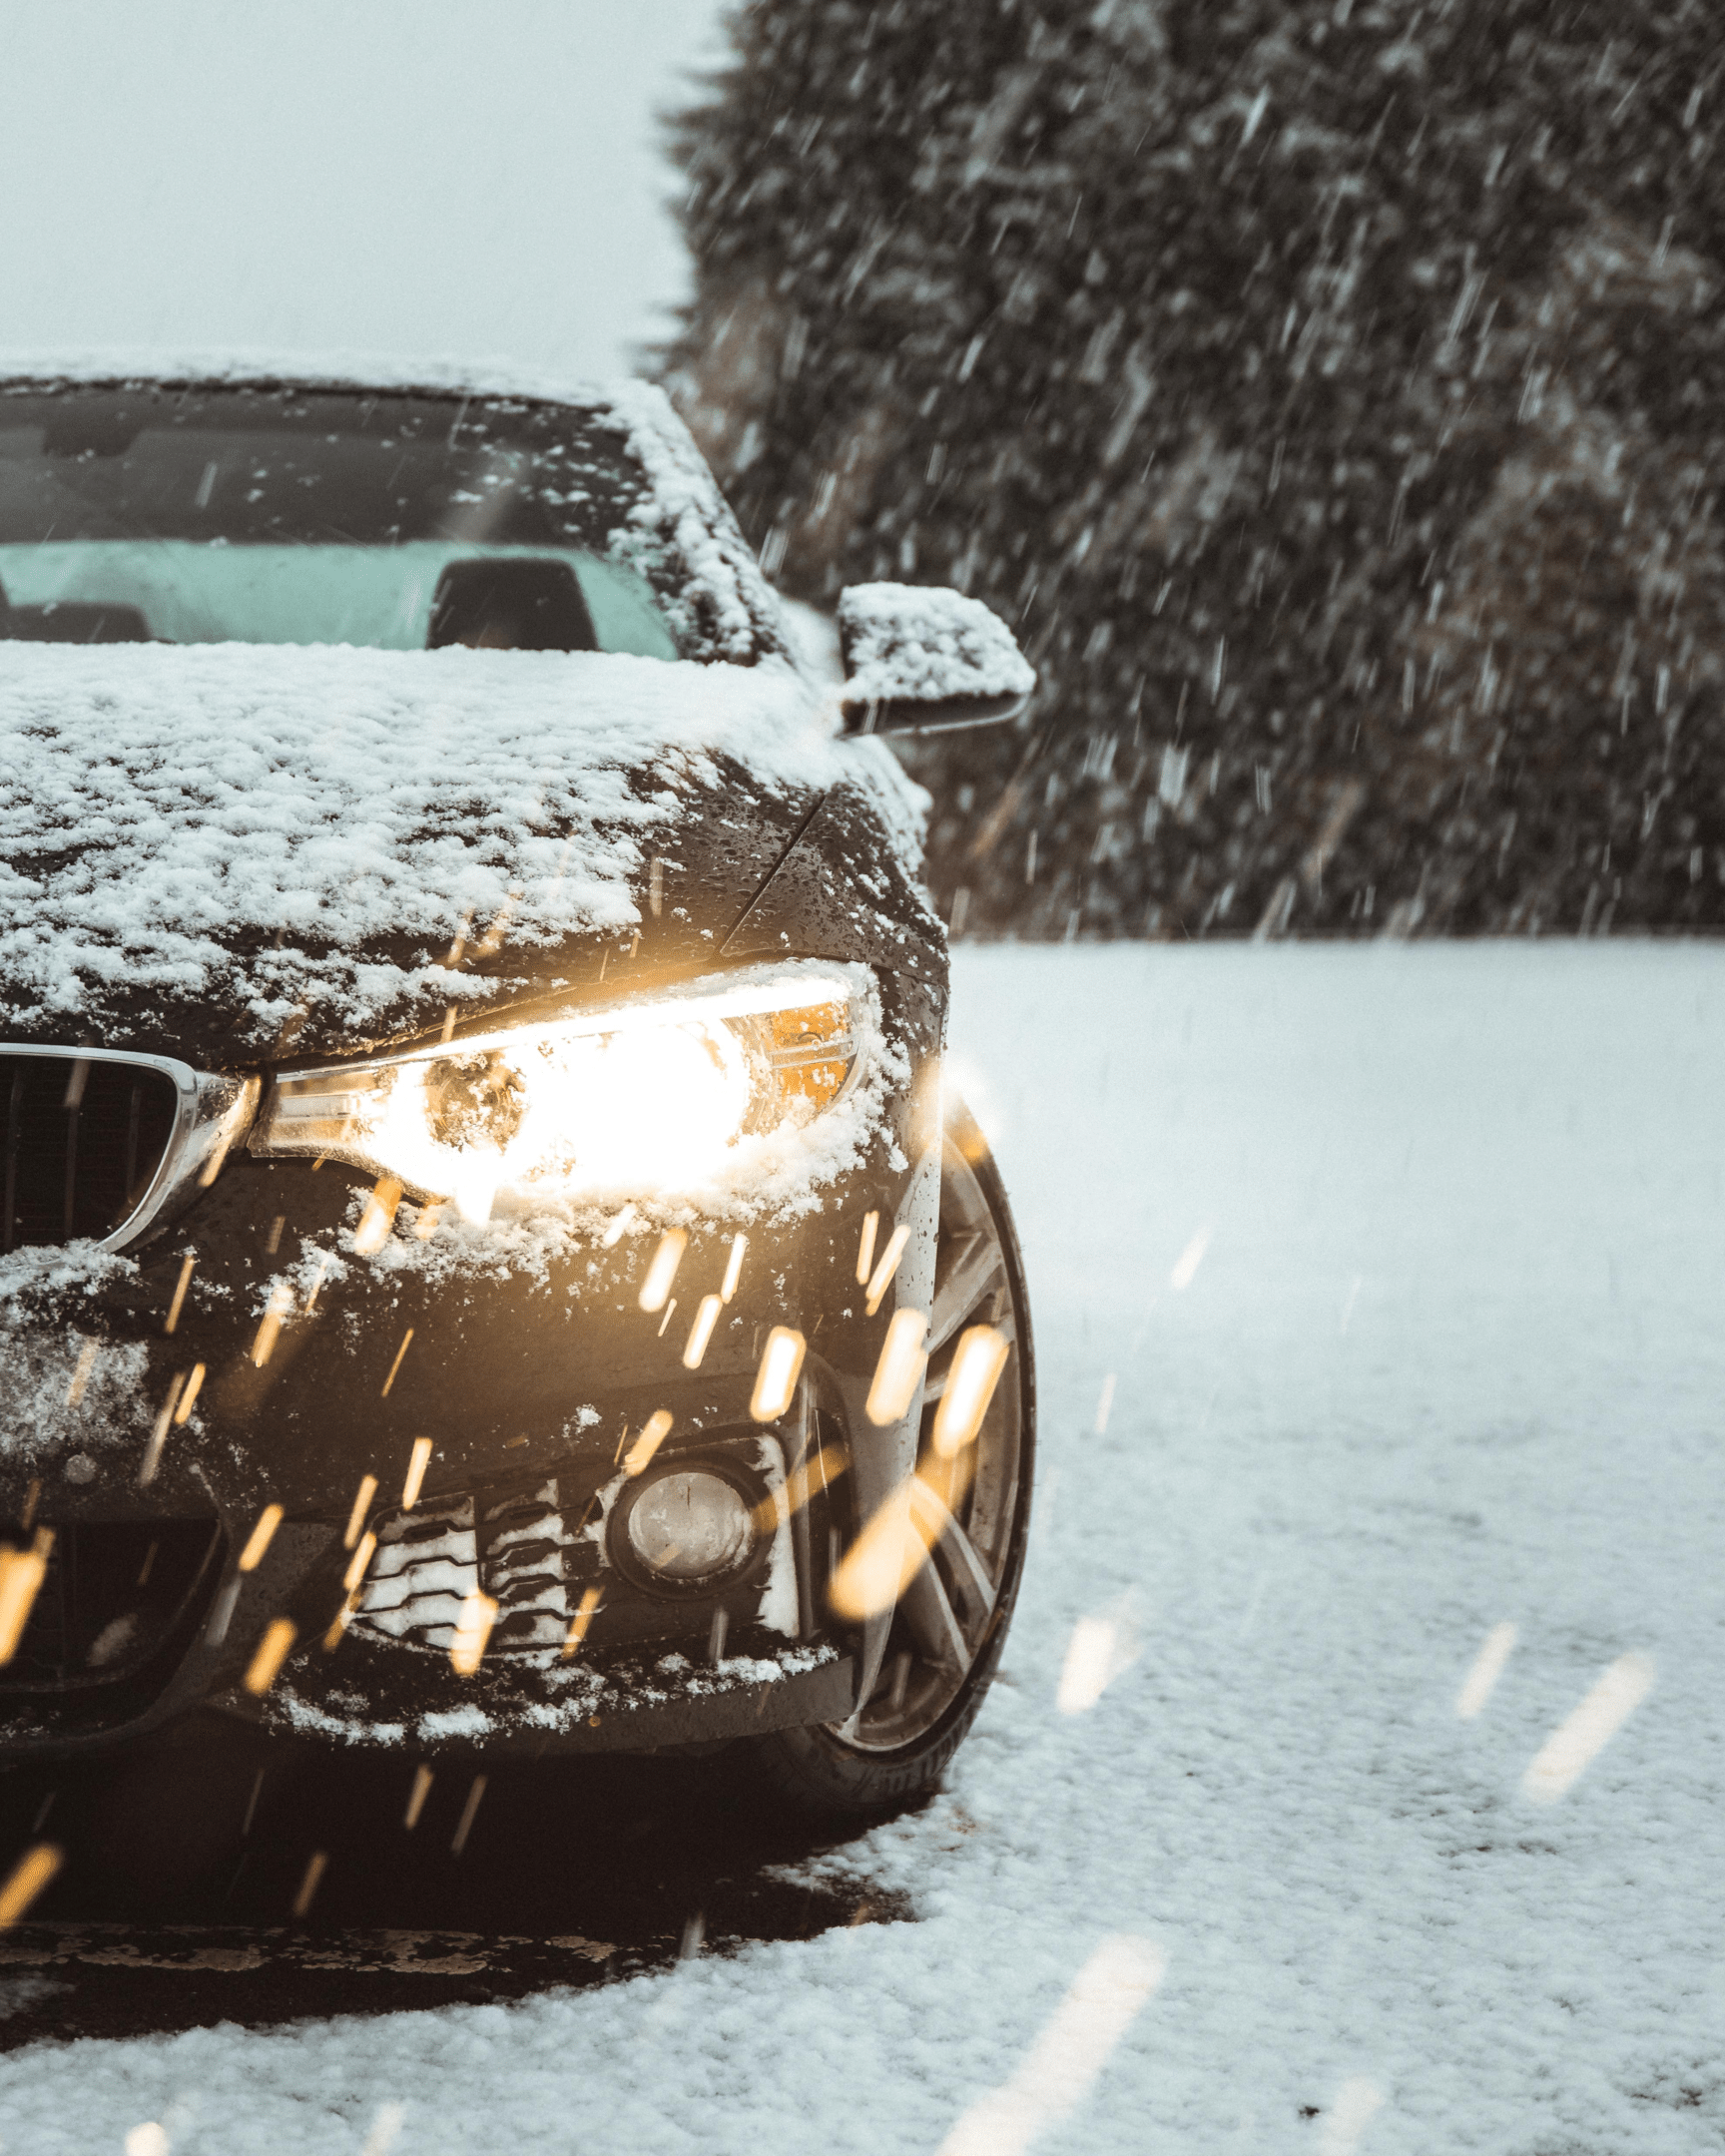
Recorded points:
(1401,1271)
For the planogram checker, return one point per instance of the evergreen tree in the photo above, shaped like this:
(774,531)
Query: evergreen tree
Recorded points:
(1328,391)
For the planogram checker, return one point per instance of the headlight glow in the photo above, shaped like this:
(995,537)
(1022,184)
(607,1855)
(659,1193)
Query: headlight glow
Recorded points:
(635,1098)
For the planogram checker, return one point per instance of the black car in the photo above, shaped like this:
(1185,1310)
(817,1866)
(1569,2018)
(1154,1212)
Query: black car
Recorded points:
(485,1260)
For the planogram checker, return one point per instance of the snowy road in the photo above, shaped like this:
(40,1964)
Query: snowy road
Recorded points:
(1378,1296)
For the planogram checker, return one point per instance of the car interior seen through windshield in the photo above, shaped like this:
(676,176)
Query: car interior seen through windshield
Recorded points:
(281,516)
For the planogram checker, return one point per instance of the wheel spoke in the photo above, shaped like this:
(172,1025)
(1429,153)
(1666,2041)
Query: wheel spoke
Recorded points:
(975,1583)
(975,1273)
(928,1612)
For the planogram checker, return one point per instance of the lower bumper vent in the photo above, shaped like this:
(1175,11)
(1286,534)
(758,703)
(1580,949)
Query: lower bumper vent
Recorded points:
(509,1544)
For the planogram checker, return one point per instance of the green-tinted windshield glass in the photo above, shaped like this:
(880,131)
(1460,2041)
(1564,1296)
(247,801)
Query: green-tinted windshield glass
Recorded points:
(292,517)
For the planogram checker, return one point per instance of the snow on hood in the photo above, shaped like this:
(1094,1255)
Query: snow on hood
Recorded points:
(242,824)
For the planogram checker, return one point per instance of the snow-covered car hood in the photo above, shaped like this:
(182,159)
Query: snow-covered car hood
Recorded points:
(234,851)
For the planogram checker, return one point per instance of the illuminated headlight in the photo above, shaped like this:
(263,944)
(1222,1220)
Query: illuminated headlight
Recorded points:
(628,1100)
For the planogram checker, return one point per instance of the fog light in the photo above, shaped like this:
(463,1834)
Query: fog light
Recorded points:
(689,1525)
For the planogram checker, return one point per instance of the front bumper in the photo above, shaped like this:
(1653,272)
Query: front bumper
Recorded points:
(525,1372)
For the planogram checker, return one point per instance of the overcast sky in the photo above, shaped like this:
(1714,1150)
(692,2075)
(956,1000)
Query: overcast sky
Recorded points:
(413,177)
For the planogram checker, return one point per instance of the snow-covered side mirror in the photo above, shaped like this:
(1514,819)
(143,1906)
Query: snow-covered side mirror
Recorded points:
(916,656)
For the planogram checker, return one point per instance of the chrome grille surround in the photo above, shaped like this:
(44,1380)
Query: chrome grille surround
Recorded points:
(210,1111)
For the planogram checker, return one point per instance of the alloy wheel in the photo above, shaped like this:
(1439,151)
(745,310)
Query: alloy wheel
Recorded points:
(965,1508)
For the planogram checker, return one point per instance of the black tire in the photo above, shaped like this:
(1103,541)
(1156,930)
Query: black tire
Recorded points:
(904,1738)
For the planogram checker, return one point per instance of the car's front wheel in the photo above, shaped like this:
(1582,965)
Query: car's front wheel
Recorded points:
(973,1513)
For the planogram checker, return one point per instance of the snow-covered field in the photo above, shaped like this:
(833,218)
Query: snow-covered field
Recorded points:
(1380,1295)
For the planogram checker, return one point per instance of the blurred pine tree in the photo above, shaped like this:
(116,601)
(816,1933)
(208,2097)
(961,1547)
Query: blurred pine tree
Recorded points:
(1329,390)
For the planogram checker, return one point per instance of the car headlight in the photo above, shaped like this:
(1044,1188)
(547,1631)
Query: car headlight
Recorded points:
(631,1099)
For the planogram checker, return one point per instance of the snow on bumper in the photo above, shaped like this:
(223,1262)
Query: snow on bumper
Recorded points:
(642,1703)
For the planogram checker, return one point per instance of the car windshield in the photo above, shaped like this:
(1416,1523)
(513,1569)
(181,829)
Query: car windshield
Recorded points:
(286,516)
